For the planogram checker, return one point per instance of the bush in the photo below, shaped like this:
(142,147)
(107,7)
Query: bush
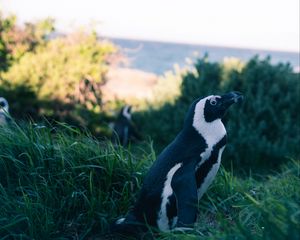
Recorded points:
(262,132)
(265,130)
(56,70)
(15,41)
(57,78)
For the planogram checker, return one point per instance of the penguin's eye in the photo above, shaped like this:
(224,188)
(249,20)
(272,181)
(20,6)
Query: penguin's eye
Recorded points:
(213,101)
(2,104)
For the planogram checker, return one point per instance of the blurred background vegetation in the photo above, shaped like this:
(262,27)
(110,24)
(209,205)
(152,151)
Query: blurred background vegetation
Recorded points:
(54,77)
(263,132)
(59,79)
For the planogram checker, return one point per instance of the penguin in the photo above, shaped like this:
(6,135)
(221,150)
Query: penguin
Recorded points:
(4,111)
(183,171)
(124,129)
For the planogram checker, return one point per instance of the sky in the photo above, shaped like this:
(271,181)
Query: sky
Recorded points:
(259,24)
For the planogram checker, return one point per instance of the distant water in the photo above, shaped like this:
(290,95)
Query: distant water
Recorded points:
(159,57)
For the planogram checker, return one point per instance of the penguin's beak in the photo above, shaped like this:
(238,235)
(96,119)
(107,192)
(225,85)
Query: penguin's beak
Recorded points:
(229,98)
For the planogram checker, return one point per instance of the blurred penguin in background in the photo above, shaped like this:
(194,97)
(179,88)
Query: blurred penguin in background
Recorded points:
(3,111)
(123,128)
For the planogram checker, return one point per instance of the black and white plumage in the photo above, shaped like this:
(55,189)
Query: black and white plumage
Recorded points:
(183,171)
(4,111)
(123,128)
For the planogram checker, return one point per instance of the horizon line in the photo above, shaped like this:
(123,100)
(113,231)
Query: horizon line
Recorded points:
(201,44)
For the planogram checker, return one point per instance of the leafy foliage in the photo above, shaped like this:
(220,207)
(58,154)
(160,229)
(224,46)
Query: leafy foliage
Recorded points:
(263,131)
(58,78)
(15,41)
(54,71)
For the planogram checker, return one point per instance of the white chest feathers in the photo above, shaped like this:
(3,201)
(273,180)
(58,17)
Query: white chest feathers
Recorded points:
(3,120)
(212,132)
(210,175)
(163,220)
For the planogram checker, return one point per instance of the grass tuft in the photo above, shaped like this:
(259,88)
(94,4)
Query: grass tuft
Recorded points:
(63,184)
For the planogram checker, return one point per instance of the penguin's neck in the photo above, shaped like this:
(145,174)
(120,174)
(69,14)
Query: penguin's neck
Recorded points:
(126,113)
(212,132)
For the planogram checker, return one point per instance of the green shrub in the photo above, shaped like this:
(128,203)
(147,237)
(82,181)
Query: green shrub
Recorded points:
(54,71)
(266,129)
(6,25)
(167,88)
(23,103)
(262,132)
(15,40)
(57,78)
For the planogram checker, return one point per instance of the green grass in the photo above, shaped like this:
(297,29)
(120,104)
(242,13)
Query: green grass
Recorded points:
(62,184)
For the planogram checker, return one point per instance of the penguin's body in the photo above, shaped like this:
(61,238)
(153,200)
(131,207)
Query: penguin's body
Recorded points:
(123,129)
(183,171)
(4,108)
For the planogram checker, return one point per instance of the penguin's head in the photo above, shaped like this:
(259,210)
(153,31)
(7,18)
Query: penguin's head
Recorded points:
(126,112)
(3,105)
(215,106)
(207,110)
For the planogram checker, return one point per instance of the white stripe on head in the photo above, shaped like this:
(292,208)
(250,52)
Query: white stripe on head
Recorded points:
(126,112)
(212,132)
(5,106)
(211,175)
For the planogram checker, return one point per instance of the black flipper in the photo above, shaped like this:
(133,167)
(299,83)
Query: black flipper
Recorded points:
(185,189)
